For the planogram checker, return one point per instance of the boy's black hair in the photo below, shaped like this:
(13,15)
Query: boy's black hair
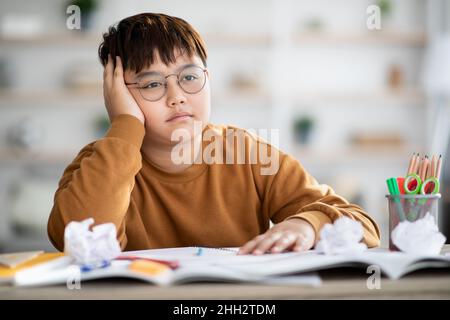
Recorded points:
(136,39)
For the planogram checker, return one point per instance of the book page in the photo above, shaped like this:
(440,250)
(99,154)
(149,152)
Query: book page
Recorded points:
(188,256)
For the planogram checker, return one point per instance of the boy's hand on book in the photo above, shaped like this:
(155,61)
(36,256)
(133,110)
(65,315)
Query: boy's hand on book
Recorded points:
(118,99)
(290,235)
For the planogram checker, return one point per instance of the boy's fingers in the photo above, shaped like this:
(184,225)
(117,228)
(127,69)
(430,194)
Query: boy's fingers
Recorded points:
(108,71)
(286,241)
(275,242)
(267,243)
(118,71)
(248,247)
(300,243)
(109,67)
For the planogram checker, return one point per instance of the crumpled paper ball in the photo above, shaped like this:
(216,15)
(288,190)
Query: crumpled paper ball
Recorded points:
(91,248)
(419,237)
(342,237)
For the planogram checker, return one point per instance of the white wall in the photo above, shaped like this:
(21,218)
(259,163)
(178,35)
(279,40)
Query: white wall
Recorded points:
(338,80)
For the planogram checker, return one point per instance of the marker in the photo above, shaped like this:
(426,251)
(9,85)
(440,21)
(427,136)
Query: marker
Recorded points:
(173,264)
(90,267)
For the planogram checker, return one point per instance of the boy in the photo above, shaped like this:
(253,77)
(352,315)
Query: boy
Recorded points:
(156,86)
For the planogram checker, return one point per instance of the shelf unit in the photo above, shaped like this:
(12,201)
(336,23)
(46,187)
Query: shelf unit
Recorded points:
(282,37)
(366,38)
(264,40)
(16,157)
(278,40)
(85,96)
(24,97)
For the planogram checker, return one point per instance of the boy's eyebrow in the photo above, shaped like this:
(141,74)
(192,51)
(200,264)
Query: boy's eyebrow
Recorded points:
(149,73)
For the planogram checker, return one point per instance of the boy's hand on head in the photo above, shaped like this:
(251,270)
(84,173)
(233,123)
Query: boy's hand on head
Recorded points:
(118,99)
(290,235)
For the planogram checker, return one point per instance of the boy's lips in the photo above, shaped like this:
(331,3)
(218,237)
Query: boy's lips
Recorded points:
(179,116)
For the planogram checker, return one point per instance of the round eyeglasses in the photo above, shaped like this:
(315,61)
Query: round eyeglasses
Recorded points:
(153,86)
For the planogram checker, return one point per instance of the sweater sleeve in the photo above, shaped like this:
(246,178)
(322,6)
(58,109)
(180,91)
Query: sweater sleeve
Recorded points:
(293,193)
(99,181)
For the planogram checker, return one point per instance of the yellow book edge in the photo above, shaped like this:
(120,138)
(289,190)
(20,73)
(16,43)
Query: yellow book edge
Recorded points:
(6,272)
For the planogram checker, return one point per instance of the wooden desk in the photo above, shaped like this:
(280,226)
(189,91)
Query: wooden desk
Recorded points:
(340,284)
(337,284)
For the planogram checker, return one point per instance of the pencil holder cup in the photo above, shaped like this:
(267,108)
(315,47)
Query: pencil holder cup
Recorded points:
(410,208)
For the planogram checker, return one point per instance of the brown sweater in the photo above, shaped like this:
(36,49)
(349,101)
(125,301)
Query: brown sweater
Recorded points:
(223,205)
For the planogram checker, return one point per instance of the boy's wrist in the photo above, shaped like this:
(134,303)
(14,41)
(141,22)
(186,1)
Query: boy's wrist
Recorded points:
(316,219)
(127,127)
(306,228)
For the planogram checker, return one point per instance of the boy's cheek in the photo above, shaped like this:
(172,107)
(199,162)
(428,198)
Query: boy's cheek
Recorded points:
(152,114)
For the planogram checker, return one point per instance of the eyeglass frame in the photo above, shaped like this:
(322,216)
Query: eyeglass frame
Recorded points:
(178,82)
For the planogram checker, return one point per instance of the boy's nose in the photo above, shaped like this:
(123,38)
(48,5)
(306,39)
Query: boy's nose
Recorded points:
(175,95)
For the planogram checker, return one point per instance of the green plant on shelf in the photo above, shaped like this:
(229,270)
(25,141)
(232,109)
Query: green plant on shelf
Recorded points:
(87,7)
(303,127)
(102,125)
(385,7)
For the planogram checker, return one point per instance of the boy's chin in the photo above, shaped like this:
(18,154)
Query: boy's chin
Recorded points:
(185,131)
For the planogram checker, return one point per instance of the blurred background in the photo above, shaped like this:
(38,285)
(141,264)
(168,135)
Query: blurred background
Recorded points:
(352,99)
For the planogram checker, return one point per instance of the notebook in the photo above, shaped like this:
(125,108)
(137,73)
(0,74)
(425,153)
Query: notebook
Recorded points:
(153,266)
(41,261)
(12,260)
(393,265)
(182,265)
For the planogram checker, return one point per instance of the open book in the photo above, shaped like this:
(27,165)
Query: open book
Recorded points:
(191,264)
